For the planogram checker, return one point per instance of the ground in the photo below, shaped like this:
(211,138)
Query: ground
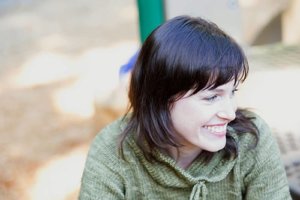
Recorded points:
(59,84)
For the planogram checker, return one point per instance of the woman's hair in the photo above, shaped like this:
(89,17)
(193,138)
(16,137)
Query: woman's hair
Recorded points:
(182,54)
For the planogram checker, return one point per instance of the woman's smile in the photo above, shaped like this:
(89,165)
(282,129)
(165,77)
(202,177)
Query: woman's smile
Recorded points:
(217,129)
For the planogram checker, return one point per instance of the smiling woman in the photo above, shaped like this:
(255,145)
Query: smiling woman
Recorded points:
(183,136)
(201,120)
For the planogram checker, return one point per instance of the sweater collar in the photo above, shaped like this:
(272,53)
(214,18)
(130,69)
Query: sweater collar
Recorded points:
(165,171)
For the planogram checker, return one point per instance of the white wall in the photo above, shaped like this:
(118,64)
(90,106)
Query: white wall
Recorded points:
(225,13)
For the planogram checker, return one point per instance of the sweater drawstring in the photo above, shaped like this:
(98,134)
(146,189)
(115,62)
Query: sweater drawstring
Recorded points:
(199,191)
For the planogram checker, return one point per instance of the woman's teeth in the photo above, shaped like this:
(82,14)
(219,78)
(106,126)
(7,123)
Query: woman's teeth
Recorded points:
(216,129)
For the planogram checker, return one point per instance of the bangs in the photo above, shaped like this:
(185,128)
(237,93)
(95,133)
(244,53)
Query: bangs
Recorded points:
(230,65)
(209,68)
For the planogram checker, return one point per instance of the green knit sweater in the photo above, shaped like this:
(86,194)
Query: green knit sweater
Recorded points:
(254,174)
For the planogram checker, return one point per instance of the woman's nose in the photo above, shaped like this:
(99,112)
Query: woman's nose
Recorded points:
(228,110)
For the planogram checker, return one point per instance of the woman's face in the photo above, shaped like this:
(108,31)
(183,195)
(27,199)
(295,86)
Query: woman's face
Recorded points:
(200,120)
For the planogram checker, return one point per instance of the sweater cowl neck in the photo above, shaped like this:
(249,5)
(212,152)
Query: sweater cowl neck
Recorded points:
(166,173)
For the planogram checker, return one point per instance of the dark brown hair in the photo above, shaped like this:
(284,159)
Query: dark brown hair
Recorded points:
(182,54)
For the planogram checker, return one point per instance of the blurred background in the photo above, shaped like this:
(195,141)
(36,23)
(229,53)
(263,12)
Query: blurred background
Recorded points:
(64,68)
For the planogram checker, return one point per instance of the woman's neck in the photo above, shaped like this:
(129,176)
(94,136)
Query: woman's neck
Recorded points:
(184,157)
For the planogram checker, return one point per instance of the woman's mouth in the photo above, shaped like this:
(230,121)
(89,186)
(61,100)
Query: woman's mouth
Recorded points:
(219,130)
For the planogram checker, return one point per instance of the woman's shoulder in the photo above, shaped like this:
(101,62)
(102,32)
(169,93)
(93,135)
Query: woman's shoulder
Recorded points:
(105,143)
(259,144)
(261,138)
(111,131)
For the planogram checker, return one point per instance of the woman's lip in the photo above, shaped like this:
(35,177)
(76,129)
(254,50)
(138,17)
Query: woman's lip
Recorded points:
(216,124)
(220,134)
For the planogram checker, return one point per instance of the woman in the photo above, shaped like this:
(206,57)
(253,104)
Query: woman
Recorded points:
(183,137)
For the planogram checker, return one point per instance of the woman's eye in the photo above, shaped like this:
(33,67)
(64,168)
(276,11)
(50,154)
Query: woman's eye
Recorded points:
(234,91)
(212,98)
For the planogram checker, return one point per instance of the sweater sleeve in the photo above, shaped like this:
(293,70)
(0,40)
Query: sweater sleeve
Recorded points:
(264,174)
(102,177)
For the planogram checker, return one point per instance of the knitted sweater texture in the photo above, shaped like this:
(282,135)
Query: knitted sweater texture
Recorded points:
(255,174)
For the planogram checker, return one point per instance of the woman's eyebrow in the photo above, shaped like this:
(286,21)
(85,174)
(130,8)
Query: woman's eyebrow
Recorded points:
(222,89)
(217,90)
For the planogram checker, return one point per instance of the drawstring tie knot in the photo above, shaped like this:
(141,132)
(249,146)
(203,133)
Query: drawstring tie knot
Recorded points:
(199,191)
